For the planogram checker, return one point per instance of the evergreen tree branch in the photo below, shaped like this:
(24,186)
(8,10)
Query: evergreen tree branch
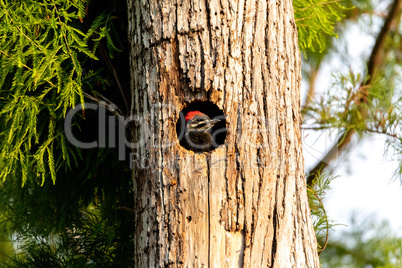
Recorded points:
(107,104)
(64,36)
(325,217)
(318,17)
(311,87)
(124,208)
(322,224)
(21,31)
(24,65)
(320,4)
(374,63)
(111,68)
(392,135)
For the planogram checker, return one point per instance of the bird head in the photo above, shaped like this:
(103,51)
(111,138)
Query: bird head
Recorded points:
(199,122)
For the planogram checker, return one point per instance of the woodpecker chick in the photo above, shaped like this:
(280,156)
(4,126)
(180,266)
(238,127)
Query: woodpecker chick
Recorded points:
(198,131)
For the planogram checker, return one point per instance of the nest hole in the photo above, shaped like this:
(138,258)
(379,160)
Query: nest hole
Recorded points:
(218,131)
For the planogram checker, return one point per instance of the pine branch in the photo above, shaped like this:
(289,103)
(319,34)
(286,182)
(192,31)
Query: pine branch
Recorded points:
(374,63)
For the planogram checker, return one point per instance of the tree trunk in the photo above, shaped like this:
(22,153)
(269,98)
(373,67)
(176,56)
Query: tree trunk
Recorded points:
(244,204)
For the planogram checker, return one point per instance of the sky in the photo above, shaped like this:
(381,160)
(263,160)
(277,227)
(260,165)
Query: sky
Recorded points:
(365,186)
(368,189)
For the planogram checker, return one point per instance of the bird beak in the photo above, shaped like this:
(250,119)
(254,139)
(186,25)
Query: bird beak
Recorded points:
(214,121)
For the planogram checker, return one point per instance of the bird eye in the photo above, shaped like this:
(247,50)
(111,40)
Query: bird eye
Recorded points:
(197,124)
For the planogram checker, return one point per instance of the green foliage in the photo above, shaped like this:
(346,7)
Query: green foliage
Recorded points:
(364,104)
(343,109)
(367,243)
(78,222)
(6,247)
(315,20)
(91,244)
(49,56)
(371,109)
(350,103)
(316,195)
(44,50)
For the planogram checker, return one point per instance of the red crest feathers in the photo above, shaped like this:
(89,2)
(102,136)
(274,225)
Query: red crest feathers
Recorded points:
(190,115)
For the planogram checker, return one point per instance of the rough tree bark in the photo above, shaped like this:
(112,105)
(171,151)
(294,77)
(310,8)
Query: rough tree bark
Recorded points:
(243,204)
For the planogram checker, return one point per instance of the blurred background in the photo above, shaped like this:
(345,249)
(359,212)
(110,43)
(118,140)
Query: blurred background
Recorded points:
(364,200)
